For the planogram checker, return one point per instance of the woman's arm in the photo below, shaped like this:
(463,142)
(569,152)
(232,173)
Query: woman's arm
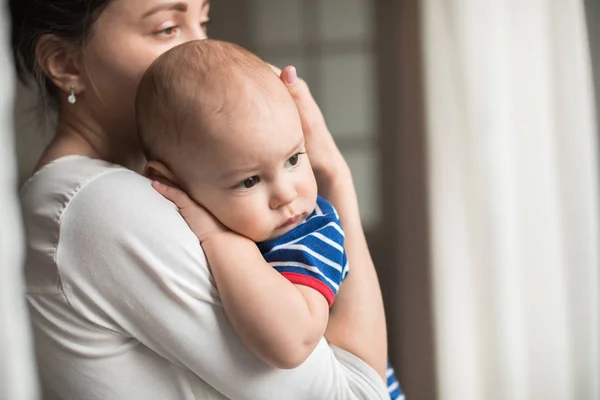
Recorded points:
(357,318)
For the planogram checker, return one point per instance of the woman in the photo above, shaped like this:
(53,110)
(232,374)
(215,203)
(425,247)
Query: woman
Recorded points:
(121,298)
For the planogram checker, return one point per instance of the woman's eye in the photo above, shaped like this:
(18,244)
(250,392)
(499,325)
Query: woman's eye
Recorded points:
(170,31)
(250,182)
(293,160)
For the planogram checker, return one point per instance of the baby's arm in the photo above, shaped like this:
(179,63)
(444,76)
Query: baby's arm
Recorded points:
(279,321)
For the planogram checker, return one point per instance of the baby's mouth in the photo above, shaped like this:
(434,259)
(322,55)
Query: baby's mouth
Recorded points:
(289,221)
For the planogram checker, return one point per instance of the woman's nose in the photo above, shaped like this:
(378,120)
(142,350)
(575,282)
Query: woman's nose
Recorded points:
(198,34)
(282,195)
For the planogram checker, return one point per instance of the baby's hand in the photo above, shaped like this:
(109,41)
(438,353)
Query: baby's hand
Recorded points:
(200,221)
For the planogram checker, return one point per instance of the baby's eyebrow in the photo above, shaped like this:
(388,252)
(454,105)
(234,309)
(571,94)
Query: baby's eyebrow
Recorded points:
(238,172)
(248,170)
(300,143)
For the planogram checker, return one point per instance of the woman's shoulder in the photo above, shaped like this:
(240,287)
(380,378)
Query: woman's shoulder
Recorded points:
(52,187)
(80,213)
(102,245)
(77,193)
(77,190)
(102,186)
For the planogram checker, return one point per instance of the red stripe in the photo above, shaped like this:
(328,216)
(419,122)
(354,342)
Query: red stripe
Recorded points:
(319,286)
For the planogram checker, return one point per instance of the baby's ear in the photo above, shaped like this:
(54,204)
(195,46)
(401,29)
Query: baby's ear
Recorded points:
(160,172)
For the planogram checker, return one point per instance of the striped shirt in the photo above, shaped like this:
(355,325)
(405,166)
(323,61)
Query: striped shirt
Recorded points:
(394,389)
(312,254)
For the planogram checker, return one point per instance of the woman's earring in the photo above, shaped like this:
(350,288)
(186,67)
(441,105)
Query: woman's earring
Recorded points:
(72,99)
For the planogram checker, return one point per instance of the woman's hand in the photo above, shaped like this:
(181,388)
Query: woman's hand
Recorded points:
(325,157)
(200,221)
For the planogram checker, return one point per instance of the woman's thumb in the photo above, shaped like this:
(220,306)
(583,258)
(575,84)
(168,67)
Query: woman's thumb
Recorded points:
(289,75)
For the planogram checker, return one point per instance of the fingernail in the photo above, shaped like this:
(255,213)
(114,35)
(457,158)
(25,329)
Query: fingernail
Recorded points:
(292,76)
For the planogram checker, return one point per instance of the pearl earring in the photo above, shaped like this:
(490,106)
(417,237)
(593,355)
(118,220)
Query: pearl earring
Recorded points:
(72,99)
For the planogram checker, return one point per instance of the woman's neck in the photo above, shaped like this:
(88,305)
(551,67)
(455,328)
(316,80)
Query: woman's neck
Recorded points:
(73,138)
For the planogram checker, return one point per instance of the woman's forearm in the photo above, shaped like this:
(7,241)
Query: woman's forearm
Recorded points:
(279,321)
(357,318)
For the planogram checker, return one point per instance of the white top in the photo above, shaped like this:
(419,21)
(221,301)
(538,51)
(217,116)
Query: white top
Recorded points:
(124,306)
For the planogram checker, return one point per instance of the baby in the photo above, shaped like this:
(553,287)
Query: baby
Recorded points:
(217,121)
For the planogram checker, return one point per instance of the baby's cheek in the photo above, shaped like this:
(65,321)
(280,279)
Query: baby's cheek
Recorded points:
(235,219)
(254,225)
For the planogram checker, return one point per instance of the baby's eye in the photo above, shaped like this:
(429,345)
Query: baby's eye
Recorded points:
(293,160)
(250,182)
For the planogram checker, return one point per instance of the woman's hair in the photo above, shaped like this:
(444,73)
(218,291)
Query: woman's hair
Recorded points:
(70,20)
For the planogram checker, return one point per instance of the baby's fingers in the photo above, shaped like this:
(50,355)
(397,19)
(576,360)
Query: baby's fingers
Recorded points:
(177,196)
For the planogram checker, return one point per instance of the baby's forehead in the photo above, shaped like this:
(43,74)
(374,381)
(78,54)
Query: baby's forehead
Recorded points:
(250,108)
(238,115)
(228,139)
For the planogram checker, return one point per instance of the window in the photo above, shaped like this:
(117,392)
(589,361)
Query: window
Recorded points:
(330,43)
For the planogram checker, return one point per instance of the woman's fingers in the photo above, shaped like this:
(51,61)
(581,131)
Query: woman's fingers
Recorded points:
(299,91)
(325,156)
(311,116)
(176,195)
(288,75)
(275,69)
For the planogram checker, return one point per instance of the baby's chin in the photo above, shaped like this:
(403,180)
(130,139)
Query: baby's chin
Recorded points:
(266,237)
(257,237)
(278,232)
(274,235)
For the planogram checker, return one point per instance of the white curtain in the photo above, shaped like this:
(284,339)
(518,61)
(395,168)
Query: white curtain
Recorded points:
(513,175)
(17,377)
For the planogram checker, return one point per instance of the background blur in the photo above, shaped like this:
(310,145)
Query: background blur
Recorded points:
(458,121)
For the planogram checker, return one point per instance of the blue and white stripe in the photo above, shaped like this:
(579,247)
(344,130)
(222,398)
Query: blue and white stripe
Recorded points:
(393,385)
(314,248)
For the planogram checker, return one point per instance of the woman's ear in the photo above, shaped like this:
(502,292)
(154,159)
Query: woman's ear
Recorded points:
(160,172)
(59,60)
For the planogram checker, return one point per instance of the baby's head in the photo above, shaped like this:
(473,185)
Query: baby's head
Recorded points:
(215,119)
